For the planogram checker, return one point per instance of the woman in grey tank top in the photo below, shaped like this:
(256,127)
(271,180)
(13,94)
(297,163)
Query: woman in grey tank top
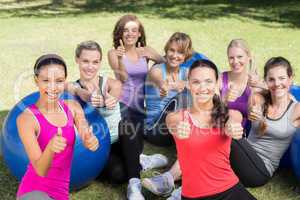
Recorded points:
(275,118)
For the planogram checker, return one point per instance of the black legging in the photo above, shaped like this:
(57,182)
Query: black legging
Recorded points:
(237,192)
(247,165)
(124,160)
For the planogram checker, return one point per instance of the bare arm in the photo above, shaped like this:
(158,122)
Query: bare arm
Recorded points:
(90,141)
(114,87)
(75,90)
(40,160)
(152,55)
(116,64)
(155,76)
(296,116)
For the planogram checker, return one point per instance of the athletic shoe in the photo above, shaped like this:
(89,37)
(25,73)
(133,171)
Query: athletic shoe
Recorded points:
(161,185)
(153,161)
(176,194)
(134,190)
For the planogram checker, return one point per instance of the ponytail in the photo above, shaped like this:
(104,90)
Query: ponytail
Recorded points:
(219,114)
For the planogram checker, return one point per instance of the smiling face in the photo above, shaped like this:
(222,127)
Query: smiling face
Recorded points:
(202,84)
(238,59)
(51,81)
(174,55)
(278,81)
(89,64)
(131,33)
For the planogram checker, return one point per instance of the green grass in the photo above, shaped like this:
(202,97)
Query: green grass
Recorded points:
(30,28)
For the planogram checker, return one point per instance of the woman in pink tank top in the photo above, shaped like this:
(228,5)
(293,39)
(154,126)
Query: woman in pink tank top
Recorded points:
(203,135)
(46,129)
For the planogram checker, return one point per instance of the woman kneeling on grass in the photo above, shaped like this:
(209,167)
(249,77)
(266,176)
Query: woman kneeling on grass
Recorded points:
(203,137)
(46,129)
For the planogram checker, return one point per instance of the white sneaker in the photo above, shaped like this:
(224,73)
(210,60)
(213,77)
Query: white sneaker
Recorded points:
(134,190)
(176,194)
(153,161)
(161,185)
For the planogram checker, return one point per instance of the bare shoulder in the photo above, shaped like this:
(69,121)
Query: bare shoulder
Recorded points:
(112,56)
(26,121)
(235,115)
(155,69)
(111,52)
(25,117)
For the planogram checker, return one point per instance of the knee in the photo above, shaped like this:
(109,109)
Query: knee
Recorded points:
(116,171)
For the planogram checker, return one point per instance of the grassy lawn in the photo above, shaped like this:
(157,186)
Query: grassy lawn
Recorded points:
(30,28)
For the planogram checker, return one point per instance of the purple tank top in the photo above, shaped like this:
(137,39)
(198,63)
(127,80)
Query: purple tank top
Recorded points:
(133,93)
(241,103)
(56,182)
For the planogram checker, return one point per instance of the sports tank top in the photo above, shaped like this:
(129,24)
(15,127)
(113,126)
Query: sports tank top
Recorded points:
(154,102)
(204,161)
(279,133)
(56,182)
(241,103)
(111,116)
(133,88)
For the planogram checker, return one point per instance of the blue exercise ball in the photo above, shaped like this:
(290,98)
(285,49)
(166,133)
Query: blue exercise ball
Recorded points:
(289,159)
(86,165)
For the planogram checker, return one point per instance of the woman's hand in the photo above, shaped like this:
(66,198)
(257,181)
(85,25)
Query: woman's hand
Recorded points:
(90,141)
(234,129)
(120,51)
(233,93)
(97,99)
(58,143)
(255,110)
(163,88)
(110,101)
(183,130)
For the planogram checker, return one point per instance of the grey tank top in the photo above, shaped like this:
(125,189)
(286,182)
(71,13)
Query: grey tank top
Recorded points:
(272,145)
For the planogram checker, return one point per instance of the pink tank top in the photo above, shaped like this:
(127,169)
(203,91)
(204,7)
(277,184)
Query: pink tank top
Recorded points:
(204,161)
(56,182)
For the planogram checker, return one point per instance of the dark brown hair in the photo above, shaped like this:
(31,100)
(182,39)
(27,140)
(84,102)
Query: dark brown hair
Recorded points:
(219,114)
(48,59)
(270,64)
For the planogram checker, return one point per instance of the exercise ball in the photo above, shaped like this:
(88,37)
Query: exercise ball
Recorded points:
(86,165)
(286,160)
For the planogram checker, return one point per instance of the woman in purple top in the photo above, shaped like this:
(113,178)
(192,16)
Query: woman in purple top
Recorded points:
(129,61)
(46,129)
(237,84)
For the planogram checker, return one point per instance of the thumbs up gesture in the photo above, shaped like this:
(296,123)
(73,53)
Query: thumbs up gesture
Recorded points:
(97,99)
(164,88)
(58,143)
(90,141)
(140,50)
(183,130)
(233,92)
(255,111)
(234,129)
(110,101)
(120,51)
